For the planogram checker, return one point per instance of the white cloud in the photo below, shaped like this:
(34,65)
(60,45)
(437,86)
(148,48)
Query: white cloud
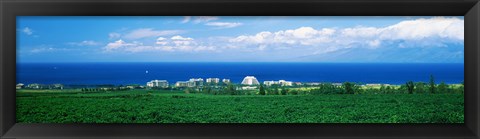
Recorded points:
(114,35)
(142,48)
(179,40)
(150,32)
(120,44)
(46,49)
(161,41)
(202,19)
(189,48)
(427,30)
(449,28)
(178,37)
(257,38)
(198,19)
(418,29)
(423,32)
(300,36)
(42,49)
(84,43)
(374,43)
(175,43)
(186,44)
(186,19)
(27,31)
(207,19)
(224,24)
(361,32)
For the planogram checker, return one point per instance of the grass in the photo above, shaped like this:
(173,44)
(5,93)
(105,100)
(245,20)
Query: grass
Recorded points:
(141,106)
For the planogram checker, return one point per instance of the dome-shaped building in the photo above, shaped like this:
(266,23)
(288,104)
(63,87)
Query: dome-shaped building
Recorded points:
(250,80)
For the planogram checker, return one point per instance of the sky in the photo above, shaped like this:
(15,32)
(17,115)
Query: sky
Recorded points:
(330,39)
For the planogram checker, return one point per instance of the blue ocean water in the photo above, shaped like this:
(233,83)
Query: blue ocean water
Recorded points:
(136,73)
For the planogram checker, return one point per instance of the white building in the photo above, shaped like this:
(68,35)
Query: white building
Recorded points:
(279,82)
(269,83)
(20,86)
(132,86)
(181,84)
(56,86)
(285,83)
(313,83)
(226,81)
(195,82)
(35,86)
(158,83)
(248,88)
(337,84)
(377,84)
(213,80)
(250,80)
(298,83)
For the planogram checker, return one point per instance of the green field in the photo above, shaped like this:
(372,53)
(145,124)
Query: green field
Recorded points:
(142,106)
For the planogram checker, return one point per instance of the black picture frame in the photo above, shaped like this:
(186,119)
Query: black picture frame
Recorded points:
(470,9)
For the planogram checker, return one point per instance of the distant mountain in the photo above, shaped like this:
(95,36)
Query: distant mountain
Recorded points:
(452,53)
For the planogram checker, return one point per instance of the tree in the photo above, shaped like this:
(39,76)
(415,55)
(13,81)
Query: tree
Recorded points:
(383,89)
(284,91)
(410,87)
(189,90)
(388,90)
(207,89)
(443,88)
(462,88)
(293,92)
(262,90)
(327,88)
(231,89)
(432,84)
(348,87)
(401,89)
(420,87)
(275,90)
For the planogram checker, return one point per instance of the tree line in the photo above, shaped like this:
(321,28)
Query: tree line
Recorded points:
(409,87)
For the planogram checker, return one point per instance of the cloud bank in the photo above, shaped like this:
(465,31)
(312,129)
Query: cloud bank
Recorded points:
(173,44)
(430,32)
(438,37)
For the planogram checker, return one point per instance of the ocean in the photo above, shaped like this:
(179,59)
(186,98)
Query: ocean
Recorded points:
(140,73)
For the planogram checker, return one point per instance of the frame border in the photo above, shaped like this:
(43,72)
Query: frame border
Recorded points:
(470,9)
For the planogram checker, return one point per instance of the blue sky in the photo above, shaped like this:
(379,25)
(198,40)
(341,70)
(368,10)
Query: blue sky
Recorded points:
(360,39)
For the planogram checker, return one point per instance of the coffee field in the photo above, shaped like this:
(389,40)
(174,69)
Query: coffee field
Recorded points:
(143,106)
